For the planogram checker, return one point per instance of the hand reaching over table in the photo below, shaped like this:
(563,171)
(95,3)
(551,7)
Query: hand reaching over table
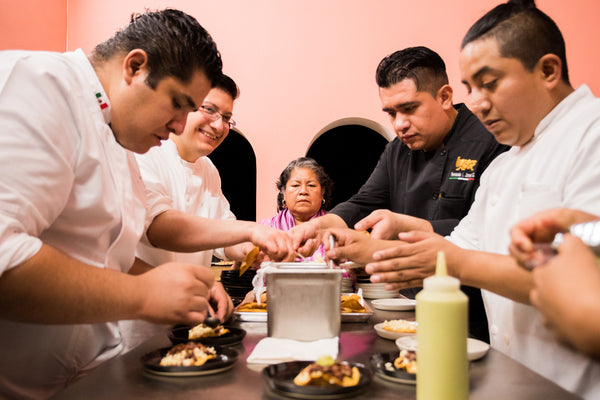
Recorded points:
(385,224)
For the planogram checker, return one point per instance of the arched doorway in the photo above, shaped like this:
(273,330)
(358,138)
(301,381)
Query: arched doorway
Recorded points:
(236,162)
(348,150)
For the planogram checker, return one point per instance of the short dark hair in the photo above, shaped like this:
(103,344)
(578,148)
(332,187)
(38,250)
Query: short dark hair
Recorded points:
(176,44)
(305,162)
(228,85)
(523,32)
(424,66)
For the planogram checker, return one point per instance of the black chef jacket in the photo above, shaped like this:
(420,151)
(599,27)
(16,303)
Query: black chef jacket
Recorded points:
(437,185)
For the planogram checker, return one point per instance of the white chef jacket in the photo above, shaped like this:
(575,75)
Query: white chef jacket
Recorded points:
(173,183)
(65,182)
(560,167)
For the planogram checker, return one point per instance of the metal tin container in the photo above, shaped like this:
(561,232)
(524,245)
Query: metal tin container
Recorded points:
(304,303)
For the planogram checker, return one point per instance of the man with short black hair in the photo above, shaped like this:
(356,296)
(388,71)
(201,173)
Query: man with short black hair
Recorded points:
(72,204)
(427,175)
(513,65)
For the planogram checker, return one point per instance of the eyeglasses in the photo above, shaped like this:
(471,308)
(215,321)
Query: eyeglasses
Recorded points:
(214,115)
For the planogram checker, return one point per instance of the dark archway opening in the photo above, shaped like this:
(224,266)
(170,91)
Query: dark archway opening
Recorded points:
(348,153)
(236,162)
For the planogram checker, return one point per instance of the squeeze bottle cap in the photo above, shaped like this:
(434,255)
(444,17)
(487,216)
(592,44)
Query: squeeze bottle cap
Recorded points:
(441,280)
(440,267)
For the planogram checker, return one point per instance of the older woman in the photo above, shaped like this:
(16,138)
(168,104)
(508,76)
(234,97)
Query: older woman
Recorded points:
(304,193)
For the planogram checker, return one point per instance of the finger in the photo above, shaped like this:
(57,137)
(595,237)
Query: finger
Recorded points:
(223,308)
(521,241)
(194,318)
(299,237)
(522,258)
(308,247)
(413,236)
(392,252)
(397,275)
(367,222)
(386,265)
(390,286)
(203,275)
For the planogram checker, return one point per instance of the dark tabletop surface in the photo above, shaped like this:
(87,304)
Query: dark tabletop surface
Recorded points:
(495,376)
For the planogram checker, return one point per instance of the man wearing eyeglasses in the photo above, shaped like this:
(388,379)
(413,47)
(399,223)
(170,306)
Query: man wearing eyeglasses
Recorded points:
(183,191)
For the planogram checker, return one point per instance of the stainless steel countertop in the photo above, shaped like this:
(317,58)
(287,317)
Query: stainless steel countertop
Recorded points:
(495,376)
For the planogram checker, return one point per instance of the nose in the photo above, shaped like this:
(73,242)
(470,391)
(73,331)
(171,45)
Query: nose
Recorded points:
(303,189)
(177,124)
(401,123)
(218,124)
(478,102)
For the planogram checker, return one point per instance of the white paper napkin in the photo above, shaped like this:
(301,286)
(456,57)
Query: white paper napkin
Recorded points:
(275,350)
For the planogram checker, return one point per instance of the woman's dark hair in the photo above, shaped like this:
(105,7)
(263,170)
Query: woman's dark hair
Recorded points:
(522,32)
(228,85)
(304,162)
(176,45)
(424,66)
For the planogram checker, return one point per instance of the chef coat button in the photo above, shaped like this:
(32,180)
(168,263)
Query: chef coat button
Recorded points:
(494,329)
(443,152)
(506,338)
(494,200)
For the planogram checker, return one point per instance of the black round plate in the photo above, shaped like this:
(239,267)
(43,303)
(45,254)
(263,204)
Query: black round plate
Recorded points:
(378,362)
(179,334)
(280,378)
(225,360)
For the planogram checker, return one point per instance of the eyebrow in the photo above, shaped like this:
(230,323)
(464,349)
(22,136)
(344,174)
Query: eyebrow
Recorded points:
(401,105)
(208,103)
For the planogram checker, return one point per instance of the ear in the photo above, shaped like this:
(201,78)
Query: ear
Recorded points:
(550,68)
(135,64)
(444,96)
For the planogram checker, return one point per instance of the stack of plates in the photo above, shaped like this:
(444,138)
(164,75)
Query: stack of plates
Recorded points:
(373,290)
(237,286)
(347,285)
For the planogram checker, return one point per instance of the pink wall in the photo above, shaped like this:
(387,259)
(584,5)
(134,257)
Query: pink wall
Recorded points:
(33,24)
(302,65)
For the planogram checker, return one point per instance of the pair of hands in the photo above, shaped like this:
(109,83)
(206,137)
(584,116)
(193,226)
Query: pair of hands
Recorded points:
(567,286)
(399,263)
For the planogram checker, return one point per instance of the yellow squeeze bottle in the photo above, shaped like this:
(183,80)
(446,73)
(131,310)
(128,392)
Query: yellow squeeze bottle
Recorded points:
(441,313)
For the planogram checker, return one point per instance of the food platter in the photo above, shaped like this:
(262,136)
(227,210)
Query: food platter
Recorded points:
(476,349)
(378,363)
(226,358)
(391,335)
(179,334)
(279,379)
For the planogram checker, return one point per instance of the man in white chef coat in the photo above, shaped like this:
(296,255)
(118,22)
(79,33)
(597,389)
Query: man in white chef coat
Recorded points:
(183,184)
(513,63)
(72,199)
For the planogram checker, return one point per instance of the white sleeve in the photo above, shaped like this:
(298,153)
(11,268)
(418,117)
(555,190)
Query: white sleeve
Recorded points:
(158,198)
(37,144)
